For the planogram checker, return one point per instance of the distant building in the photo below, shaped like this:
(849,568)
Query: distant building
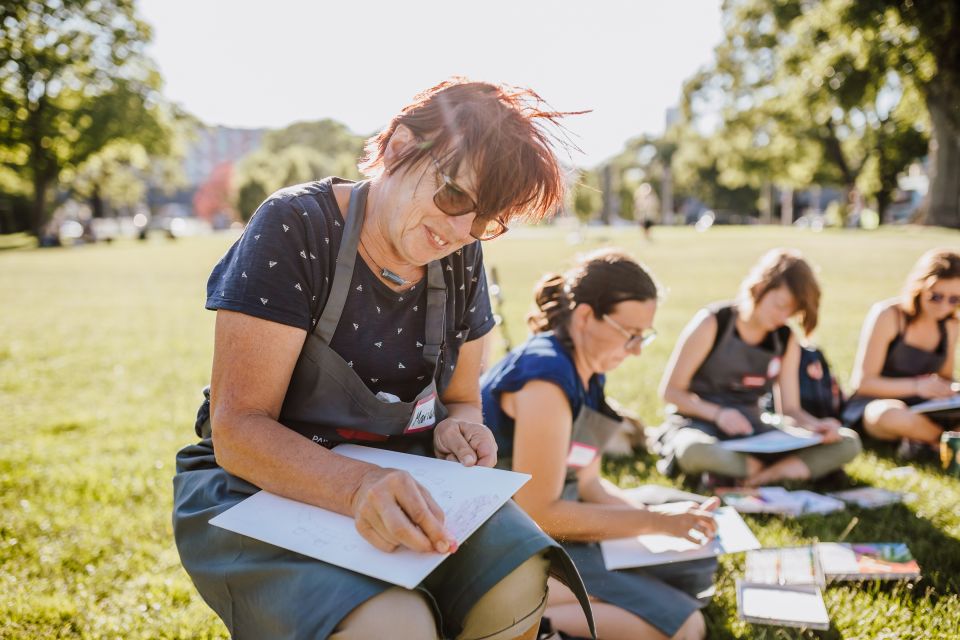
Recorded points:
(215,146)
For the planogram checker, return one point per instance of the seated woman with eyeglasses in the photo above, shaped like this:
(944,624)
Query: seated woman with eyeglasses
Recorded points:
(545,404)
(355,313)
(906,355)
(726,360)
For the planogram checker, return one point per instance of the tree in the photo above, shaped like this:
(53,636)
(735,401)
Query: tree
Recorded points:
(803,98)
(73,77)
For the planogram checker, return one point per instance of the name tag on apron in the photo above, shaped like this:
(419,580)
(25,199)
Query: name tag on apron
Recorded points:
(580,455)
(424,414)
(753,381)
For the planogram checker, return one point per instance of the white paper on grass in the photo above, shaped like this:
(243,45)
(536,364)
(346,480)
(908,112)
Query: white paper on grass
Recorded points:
(776,441)
(467,495)
(793,605)
(733,535)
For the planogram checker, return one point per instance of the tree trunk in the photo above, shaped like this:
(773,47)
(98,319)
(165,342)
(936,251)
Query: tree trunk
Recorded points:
(38,209)
(786,206)
(96,203)
(943,197)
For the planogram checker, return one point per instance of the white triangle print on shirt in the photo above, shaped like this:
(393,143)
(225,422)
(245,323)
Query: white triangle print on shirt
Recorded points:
(416,307)
(420,377)
(400,365)
(285,228)
(243,275)
(355,326)
(336,223)
(378,309)
(359,287)
(271,263)
(298,287)
(449,268)
(399,330)
(472,309)
(312,257)
(460,335)
(263,300)
(419,344)
(469,268)
(303,254)
(374,380)
(256,237)
(350,364)
(378,344)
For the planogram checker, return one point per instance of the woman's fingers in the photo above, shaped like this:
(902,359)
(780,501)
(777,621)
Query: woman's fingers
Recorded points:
(483,443)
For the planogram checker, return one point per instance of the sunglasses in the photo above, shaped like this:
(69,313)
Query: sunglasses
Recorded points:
(455,201)
(953,301)
(642,339)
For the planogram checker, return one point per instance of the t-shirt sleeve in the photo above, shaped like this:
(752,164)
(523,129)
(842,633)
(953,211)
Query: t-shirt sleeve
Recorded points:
(266,273)
(479,314)
(545,365)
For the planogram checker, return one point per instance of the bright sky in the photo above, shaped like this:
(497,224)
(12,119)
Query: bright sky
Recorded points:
(269,63)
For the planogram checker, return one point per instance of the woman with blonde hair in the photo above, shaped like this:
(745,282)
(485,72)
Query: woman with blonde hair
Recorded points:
(727,359)
(906,355)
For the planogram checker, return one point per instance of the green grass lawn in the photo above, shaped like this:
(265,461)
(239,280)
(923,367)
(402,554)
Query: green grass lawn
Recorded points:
(104,349)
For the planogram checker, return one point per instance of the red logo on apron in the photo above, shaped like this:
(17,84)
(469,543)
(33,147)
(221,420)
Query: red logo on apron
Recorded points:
(754,381)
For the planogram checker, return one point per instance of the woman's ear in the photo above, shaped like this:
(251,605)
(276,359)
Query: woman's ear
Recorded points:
(579,316)
(400,144)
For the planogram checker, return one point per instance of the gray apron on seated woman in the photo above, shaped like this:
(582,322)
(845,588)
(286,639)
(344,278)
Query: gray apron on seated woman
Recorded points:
(734,375)
(664,595)
(262,591)
(902,361)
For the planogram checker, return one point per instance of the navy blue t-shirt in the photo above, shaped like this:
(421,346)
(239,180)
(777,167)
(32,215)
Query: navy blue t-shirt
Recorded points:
(541,357)
(282,267)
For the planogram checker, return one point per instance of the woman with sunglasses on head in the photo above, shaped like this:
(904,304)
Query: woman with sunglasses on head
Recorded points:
(354,313)
(726,360)
(906,355)
(545,403)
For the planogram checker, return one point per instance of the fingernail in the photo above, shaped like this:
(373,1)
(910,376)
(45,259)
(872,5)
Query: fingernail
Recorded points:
(469,460)
(442,546)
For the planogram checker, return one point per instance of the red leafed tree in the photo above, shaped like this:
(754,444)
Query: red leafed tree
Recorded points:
(213,196)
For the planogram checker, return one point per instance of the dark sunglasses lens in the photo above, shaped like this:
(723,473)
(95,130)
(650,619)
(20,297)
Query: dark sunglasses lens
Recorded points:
(452,201)
(485,228)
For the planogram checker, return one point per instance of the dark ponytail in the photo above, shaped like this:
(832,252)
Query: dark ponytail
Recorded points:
(601,279)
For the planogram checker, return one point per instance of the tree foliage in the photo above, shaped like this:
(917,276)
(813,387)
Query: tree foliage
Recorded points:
(299,153)
(74,77)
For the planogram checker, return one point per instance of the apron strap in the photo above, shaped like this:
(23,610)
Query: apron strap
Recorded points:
(346,259)
(436,315)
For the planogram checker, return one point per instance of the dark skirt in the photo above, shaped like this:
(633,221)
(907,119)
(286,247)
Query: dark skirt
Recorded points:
(263,591)
(664,596)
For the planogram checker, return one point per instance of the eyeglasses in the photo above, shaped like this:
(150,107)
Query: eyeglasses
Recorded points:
(643,339)
(936,296)
(455,201)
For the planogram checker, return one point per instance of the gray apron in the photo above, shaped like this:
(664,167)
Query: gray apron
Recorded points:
(262,591)
(735,375)
(664,596)
(902,361)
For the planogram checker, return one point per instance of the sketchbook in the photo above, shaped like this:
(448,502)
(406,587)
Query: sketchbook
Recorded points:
(654,549)
(782,605)
(871,497)
(654,494)
(467,495)
(776,441)
(867,561)
(777,500)
(943,408)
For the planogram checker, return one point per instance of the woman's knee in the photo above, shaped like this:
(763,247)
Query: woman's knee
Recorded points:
(693,628)
(880,415)
(378,616)
(513,605)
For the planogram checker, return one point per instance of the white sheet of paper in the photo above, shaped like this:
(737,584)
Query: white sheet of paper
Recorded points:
(776,441)
(467,495)
(796,606)
(642,551)
(940,404)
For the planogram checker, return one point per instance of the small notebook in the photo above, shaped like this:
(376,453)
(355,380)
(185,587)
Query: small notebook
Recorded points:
(775,441)
(867,561)
(783,605)
(784,566)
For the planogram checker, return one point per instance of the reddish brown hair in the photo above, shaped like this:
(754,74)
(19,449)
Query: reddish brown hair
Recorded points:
(786,267)
(499,129)
(936,264)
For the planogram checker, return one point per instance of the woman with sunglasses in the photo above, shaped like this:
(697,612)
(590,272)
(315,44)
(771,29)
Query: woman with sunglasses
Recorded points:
(545,403)
(726,360)
(353,313)
(906,355)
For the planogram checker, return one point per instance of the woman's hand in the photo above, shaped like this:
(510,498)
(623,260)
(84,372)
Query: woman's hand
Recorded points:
(468,443)
(829,428)
(390,509)
(695,523)
(732,422)
(933,386)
